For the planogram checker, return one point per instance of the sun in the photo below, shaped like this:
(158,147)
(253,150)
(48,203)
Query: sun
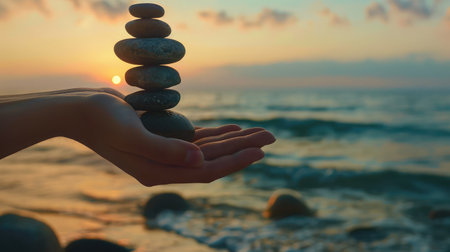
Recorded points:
(116,80)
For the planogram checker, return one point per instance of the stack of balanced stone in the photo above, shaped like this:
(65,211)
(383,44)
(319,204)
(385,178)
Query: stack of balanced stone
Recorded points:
(151,49)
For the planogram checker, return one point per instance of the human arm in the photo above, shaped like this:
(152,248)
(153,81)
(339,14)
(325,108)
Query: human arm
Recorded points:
(101,120)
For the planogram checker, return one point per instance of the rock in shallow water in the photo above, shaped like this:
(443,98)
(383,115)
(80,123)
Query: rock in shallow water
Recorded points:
(149,51)
(24,234)
(163,202)
(284,203)
(94,245)
(439,214)
(146,10)
(148,28)
(169,124)
(153,100)
(152,77)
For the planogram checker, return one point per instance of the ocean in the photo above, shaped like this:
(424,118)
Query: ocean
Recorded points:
(372,163)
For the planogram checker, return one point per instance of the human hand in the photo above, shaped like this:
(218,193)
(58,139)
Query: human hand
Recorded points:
(113,130)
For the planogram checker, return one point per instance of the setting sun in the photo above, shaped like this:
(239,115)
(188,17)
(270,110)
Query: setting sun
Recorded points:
(116,80)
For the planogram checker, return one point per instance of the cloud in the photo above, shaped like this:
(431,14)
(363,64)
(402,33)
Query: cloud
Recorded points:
(108,10)
(417,8)
(10,7)
(377,11)
(267,17)
(217,18)
(404,12)
(333,18)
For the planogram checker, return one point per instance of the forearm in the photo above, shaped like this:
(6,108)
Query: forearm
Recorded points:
(28,119)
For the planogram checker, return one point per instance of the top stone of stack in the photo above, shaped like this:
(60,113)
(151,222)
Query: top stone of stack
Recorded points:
(146,10)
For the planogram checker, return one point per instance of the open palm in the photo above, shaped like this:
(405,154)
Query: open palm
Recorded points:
(113,129)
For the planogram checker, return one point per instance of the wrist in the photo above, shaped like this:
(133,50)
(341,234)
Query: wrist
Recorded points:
(29,119)
(70,114)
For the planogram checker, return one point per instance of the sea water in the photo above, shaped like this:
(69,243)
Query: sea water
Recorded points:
(372,163)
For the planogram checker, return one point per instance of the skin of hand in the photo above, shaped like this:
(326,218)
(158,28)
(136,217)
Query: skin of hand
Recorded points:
(104,122)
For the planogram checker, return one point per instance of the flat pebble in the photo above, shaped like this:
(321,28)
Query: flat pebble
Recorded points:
(148,28)
(146,10)
(169,124)
(152,77)
(149,51)
(153,100)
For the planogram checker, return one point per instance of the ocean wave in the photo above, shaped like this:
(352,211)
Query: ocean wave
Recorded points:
(387,182)
(319,128)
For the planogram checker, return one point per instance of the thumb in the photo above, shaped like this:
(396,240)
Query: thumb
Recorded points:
(168,151)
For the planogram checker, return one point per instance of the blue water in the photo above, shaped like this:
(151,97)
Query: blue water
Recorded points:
(378,159)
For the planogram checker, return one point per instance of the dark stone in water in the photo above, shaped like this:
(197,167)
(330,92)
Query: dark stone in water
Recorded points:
(146,10)
(284,203)
(439,214)
(153,100)
(148,28)
(152,77)
(228,242)
(367,234)
(24,234)
(169,124)
(94,245)
(149,51)
(162,202)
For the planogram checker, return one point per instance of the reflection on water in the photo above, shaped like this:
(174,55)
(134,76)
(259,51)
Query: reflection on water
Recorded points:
(374,160)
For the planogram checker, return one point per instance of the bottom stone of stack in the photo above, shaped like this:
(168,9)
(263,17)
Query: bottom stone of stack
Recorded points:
(169,124)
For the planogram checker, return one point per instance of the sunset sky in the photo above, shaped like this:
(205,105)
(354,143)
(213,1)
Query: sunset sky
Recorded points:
(363,43)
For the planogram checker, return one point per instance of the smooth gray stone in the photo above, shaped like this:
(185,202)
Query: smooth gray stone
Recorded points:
(25,234)
(148,28)
(162,202)
(152,77)
(149,51)
(169,124)
(146,10)
(153,100)
(94,245)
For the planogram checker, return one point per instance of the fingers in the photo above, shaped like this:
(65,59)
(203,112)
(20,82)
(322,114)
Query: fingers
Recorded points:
(207,132)
(227,165)
(228,135)
(215,150)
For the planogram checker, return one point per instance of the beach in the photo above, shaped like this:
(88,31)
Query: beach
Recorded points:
(373,161)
